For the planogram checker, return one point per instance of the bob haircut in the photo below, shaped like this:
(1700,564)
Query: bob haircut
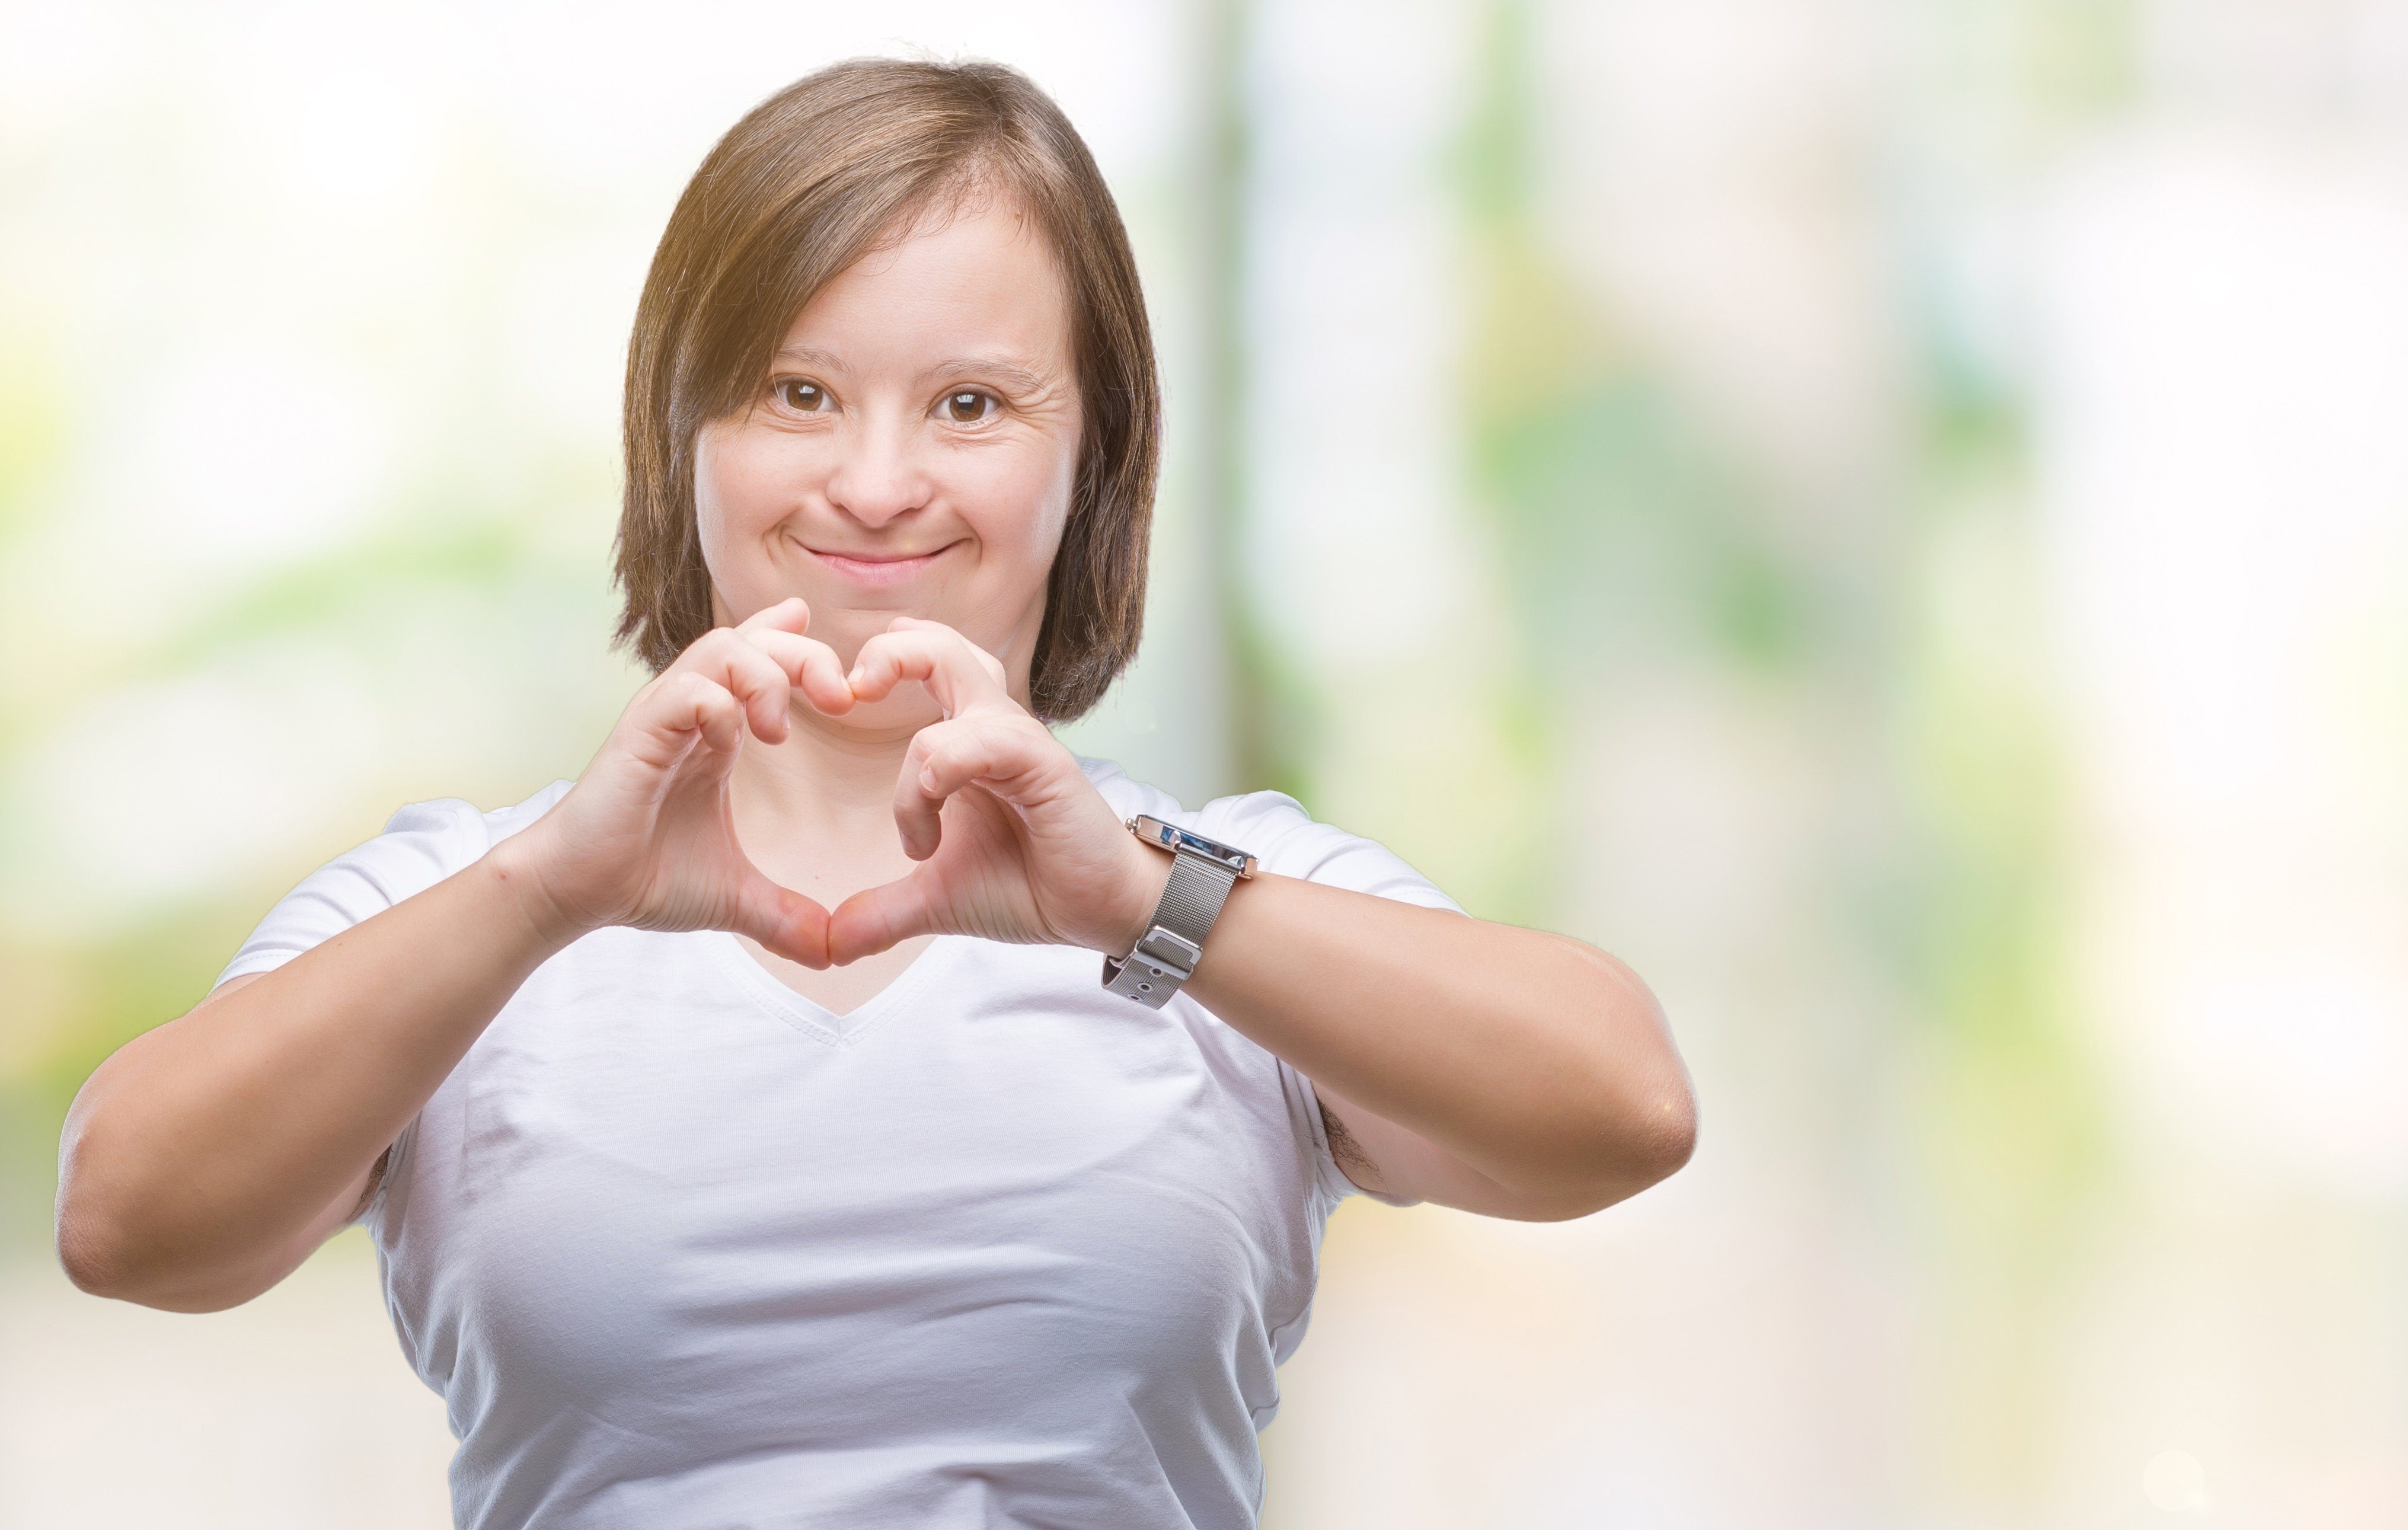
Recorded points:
(842,162)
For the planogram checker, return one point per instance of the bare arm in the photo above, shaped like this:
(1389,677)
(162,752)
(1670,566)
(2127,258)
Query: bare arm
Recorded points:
(206,1159)
(1507,1071)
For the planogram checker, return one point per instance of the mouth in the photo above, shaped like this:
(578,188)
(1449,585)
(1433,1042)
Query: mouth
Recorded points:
(879,570)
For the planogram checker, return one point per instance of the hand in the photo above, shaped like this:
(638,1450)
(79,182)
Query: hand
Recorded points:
(1016,843)
(647,837)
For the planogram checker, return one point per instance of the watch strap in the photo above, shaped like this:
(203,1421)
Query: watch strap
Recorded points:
(1166,955)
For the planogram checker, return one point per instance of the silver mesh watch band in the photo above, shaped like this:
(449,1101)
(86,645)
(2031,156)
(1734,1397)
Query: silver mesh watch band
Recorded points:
(1166,955)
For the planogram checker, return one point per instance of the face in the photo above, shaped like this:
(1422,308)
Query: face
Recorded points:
(911,451)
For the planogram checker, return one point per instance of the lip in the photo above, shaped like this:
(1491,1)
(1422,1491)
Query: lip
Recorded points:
(879,570)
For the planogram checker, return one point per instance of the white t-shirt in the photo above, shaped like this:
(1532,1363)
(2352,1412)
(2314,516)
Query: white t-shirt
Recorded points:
(682,1248)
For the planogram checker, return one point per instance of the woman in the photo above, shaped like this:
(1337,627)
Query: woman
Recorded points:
(746,1130)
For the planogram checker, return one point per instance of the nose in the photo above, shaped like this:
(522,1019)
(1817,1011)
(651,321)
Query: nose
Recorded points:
(876,476)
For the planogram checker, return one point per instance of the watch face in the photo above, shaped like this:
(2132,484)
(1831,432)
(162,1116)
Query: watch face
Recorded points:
(1170,837)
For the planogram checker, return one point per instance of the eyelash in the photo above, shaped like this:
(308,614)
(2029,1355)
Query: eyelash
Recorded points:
(779,387)
(778,391)
(994,405)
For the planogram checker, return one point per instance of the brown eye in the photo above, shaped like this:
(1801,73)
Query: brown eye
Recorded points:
(795,393)
(967,407)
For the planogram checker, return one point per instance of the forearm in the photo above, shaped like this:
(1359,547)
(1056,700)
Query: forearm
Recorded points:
(200,1150)
(1536,1060)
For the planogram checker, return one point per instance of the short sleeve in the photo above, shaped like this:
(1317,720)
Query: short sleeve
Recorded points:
(1289,842)
(1276,830)
(421,844)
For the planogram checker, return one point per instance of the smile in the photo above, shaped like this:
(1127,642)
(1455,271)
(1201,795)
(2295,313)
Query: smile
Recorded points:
(879,570)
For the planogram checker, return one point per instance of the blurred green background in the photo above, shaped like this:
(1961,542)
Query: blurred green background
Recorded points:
(1893,520)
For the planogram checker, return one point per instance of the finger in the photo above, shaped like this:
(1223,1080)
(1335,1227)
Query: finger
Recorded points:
(991,750)
(992,666)
(943,758)
(882,918)
(810,667)
(724,655)
(792,614)
(918,810)
(681,707)
(782,920)
(956,671)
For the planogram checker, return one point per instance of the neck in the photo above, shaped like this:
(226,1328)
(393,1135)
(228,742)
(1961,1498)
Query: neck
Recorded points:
(829,770)
(825,798)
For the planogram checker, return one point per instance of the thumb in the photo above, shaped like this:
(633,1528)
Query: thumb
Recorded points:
(880,917)
(782,920)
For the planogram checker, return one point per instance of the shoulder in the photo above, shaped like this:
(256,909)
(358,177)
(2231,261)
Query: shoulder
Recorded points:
(1277,830)
(421,844)
(424,842)
(502,822)
(450,833)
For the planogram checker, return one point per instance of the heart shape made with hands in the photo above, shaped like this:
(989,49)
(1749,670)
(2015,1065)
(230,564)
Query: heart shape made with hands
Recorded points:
(1034,855)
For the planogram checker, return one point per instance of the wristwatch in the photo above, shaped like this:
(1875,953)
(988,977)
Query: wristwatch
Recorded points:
(1202,871)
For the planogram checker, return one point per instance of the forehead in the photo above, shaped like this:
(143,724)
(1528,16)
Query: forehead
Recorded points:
(974,278)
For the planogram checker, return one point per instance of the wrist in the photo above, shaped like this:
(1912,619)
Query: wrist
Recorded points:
(511,868)
(1189,890)
(1141,895)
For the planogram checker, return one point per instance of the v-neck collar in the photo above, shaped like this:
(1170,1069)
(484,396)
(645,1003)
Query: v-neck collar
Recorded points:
(816,1020)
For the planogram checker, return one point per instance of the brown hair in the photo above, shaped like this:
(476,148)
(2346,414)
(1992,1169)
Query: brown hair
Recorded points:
(810,181)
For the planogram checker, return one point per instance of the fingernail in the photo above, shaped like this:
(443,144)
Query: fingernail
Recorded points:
(928,779)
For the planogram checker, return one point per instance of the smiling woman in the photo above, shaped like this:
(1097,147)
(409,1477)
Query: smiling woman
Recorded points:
(748,1129)
(882,462)
(815,197)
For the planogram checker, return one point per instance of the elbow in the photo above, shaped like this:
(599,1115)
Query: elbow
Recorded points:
(1638,1139)
(99,1258)
(99,1264)
(89,1246)
(1668,1138)
(1612,1161)
(107,1252)
(93,1246)
(89,1226)
(90,1267)
(1641,1149)
(1649,1128)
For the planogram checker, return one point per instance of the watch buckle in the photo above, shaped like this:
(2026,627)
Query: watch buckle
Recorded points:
(1173,953)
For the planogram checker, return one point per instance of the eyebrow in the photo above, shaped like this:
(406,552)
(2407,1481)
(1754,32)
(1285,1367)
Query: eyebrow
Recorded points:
(1011,374)
(803,355)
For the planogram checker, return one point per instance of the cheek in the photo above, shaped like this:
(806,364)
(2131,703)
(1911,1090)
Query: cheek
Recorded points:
(1031,510)
(737,484)
(1042,494)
